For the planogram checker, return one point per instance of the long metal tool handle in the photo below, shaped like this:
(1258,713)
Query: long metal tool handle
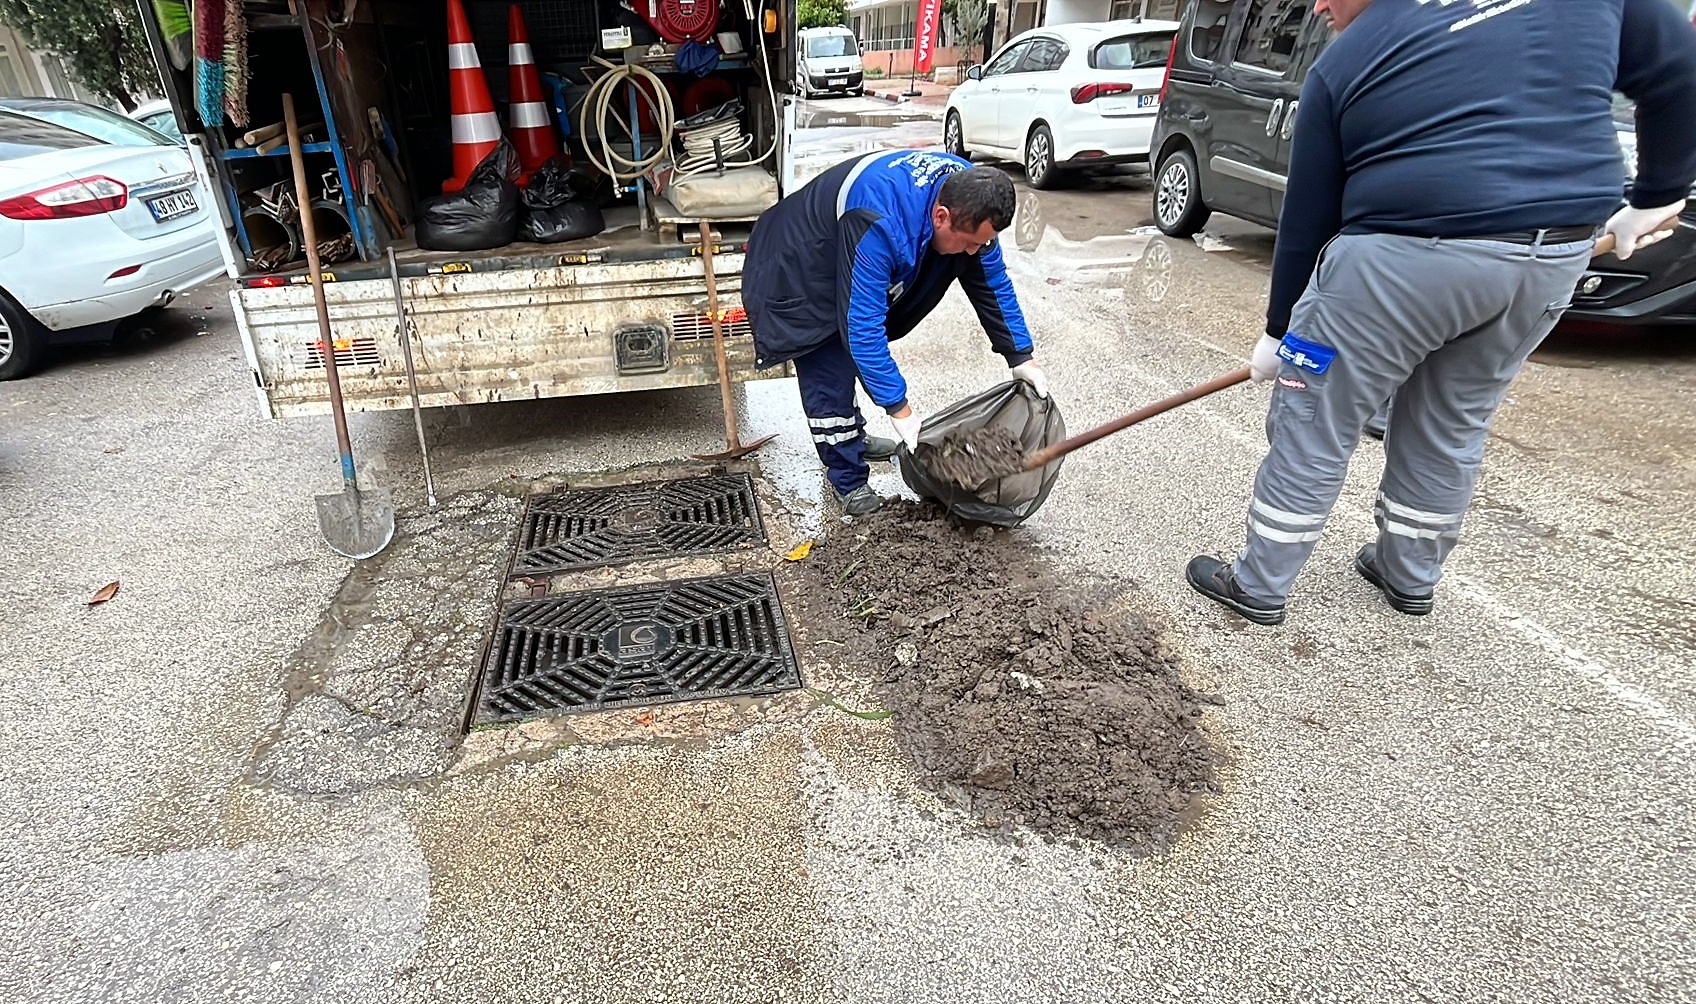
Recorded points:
(732,438)
(309,235)
(1162,406)
(403,329)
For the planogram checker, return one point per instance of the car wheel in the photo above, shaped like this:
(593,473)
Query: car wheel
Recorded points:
(20,340)
(954,136)
(1178,209)
(1039,159)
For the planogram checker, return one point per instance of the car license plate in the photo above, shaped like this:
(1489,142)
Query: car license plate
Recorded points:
(169,207)
(835,81)
(1148,101)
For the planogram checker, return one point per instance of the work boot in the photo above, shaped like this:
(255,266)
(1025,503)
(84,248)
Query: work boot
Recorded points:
(1214,579)
(1366,564)
(879,448)
(860,501)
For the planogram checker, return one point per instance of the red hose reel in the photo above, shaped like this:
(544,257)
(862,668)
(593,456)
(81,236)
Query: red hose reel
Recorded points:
(679,21)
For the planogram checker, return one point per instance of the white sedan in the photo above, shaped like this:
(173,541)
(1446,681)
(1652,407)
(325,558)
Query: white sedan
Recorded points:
(1064,97)
(92,233)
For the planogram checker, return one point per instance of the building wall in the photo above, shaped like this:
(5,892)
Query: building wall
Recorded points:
(24,72)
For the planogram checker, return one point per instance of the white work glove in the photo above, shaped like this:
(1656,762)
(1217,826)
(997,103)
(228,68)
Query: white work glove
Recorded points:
(1263,364)
(1031,373)
(908,428)
(1635,229)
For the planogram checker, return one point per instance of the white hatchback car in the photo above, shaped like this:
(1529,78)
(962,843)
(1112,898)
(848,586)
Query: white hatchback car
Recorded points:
(92,233)
(1064,97)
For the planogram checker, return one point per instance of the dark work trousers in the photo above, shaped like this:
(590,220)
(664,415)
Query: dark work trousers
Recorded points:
(1372,327)
(827,376)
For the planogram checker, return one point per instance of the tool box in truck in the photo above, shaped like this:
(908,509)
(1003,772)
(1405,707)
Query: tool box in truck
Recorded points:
(540,169)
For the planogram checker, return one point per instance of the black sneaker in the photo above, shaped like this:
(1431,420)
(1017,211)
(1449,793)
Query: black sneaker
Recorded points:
(1418,606)
(860,501)
(879,448)
(1213,579)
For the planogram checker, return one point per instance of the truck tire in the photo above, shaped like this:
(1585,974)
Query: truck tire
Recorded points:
(21,340)
(1178,209)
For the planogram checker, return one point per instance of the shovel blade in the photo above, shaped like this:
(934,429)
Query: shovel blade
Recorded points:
(357,524)
(736,454)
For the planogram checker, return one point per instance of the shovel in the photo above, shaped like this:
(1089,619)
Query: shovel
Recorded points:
(734,449)
(354,523)
(1065,446)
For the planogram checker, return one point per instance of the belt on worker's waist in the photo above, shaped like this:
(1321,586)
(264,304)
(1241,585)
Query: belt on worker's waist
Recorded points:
(1550,235)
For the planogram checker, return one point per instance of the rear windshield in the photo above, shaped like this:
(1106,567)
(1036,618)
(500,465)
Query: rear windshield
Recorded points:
(1146,51)
(21,136)
(119,130)
(826,46)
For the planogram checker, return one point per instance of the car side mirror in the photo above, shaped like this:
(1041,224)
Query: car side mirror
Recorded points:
(975,73)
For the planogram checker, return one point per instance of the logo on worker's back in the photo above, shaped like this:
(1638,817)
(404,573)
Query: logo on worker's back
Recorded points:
(1305,355)
(638,641)
(926,167)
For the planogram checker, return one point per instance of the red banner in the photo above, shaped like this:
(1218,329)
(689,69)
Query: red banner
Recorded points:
(924,39)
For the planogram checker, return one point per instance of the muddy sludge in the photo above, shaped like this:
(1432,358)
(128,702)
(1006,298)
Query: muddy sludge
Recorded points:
(1024,695)
(973,457)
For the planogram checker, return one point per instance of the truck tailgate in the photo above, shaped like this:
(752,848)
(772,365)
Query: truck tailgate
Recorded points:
(498,335)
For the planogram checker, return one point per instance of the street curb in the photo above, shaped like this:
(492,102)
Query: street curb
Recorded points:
(889,96)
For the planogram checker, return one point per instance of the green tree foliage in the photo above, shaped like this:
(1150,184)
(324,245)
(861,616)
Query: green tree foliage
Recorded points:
(821,13)
(101,42)
(967,18)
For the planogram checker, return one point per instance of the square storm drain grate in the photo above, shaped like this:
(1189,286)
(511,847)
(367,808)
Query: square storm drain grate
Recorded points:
(692,639)
(587,527)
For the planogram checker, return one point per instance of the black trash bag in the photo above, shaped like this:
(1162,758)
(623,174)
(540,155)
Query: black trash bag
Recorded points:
(560,205)
(484,214)
(1035,422)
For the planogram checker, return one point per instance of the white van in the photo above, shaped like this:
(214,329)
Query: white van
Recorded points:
(828,60)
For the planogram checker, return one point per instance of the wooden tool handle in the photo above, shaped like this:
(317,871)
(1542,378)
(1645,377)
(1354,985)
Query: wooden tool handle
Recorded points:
(1605,243)
(1066,446)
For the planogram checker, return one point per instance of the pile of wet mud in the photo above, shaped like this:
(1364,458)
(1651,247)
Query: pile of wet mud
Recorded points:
(1028,697)
(972,457)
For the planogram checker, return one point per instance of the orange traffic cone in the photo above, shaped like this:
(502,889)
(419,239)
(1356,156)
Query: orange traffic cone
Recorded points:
(476,130)
(532,126)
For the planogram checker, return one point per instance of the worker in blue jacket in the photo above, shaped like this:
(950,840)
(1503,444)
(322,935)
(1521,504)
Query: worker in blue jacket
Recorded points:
(1452,166)
(856,259)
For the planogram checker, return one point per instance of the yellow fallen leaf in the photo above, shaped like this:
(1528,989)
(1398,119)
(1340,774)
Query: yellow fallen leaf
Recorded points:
(801,551)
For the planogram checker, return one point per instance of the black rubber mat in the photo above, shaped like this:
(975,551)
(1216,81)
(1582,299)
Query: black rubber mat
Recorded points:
(587,527)
(692,639)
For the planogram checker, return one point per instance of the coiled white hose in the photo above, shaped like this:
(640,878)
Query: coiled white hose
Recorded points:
(600,99)
(698,154)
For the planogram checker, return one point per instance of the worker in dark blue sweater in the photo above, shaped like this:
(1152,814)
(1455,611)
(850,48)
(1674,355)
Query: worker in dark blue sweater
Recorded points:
(856,259)
(1453,163)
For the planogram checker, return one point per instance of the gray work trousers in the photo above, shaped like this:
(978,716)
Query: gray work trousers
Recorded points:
(1442,325)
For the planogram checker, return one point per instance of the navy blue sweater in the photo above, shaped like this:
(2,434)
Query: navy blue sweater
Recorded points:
(1461,118)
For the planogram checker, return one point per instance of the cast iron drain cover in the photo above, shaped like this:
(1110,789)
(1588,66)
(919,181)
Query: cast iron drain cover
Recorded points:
(691,639)
(588,527)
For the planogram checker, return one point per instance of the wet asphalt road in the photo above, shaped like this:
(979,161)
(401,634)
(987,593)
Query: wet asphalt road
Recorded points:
(1490,804)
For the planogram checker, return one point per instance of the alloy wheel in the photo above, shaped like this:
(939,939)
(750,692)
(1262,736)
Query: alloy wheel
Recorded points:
(1173,194)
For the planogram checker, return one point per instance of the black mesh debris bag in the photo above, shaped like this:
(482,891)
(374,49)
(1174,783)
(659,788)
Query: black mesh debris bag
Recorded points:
(482,215)
(1008,501)
(558,206)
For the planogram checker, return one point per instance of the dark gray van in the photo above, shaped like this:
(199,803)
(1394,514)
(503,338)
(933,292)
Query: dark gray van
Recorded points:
(1222,138)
